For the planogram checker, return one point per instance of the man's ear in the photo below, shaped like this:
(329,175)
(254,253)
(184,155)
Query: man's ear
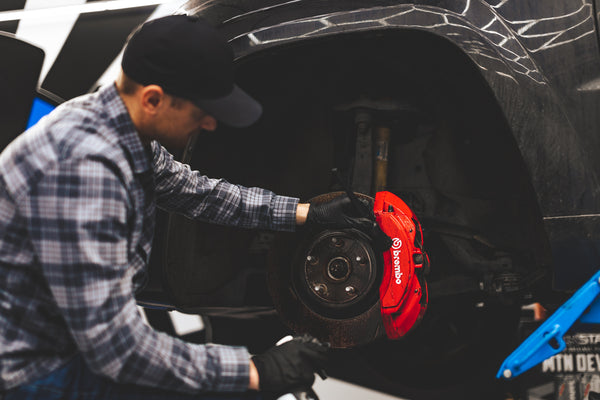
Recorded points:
(152,98)
(209,123)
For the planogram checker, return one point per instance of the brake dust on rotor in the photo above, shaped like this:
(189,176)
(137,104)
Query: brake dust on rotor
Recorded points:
(340,290)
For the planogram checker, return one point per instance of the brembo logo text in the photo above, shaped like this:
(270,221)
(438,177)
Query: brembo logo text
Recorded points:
(396,245)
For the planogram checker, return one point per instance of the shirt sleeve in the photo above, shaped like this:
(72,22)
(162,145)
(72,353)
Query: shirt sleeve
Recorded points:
(80,233)
(196,196)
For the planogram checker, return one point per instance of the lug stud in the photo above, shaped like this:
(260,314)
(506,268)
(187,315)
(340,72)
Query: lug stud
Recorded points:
(320,289)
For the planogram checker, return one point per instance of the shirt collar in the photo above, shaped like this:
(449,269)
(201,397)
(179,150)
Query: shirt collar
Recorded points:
(120,120)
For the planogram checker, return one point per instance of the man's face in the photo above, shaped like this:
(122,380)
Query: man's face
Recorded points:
(178,120)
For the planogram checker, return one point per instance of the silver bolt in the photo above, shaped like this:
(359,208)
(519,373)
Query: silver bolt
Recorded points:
(312,260)
(320,288)
(507,373)
(334,240)
(358,259)
(350,290)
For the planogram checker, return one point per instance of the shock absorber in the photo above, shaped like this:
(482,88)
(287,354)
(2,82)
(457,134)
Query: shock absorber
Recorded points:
(382,145)
(373,140)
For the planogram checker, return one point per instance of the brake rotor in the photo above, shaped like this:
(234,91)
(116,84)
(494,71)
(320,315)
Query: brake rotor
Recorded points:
(335,273)
(326,283)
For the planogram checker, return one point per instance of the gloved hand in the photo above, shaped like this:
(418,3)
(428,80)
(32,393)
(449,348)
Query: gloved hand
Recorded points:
(290,365)
(341,213)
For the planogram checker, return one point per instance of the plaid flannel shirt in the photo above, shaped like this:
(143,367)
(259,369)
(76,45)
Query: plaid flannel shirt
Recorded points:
(77,199)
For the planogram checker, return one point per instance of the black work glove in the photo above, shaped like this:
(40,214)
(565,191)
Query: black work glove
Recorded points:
(291,365)
(341,213)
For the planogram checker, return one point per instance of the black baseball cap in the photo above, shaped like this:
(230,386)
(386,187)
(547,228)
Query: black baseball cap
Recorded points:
(188,58)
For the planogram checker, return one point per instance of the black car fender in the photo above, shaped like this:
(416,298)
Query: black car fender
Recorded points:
(557,157)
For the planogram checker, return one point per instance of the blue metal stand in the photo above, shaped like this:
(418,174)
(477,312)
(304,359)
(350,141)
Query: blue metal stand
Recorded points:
(547,340)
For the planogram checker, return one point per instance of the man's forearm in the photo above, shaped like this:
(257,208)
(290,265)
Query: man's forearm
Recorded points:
(301,213)
(254,382)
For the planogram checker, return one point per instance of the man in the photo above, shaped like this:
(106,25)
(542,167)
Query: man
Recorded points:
(77,198)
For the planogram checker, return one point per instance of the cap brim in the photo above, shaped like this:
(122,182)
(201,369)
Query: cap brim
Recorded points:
(237,109)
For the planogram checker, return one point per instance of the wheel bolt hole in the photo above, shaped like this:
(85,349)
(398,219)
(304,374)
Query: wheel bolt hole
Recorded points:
(336,242)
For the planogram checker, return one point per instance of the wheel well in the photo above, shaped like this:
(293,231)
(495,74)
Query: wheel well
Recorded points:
(454,160)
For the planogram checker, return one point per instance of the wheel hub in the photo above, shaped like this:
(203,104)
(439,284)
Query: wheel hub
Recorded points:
(336,269)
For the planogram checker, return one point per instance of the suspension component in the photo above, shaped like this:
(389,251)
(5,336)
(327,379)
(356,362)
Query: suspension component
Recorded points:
(382,144)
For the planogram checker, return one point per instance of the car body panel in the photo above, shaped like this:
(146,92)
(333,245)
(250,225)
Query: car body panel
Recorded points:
(540,61)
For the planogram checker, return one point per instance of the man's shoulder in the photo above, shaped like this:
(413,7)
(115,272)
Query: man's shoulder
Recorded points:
(81,125)
(76,131)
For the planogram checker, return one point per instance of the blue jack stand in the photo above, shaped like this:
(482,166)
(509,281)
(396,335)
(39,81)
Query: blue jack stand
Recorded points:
(547,340)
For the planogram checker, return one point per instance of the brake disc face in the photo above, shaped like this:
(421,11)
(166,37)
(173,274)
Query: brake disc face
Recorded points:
(335,273)
(326,283)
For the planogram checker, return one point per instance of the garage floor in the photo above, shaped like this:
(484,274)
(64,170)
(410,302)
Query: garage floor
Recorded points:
(539,384)
(334,389)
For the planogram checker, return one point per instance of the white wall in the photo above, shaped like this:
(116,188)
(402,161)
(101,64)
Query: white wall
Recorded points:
(47,24)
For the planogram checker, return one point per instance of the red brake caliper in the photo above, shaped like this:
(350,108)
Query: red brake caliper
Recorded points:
(403,290)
